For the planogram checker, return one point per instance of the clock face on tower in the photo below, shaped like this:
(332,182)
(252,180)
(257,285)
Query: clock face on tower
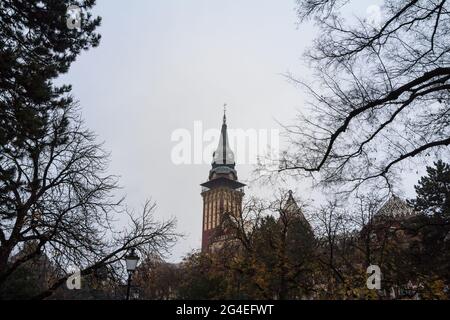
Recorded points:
(222,194)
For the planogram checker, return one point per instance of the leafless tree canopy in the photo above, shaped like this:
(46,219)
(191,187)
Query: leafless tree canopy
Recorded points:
(56,194)
(380,96)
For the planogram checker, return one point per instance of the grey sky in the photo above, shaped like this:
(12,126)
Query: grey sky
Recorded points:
(161,65)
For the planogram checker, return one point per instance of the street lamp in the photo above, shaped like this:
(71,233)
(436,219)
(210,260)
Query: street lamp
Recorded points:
(131,260)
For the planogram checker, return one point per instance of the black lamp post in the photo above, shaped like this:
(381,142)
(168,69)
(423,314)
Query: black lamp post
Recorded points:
(131,260)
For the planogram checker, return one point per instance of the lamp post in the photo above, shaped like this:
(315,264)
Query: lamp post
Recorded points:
(131,260)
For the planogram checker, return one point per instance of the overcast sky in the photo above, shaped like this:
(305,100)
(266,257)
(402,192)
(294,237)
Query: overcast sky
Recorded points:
(162,65)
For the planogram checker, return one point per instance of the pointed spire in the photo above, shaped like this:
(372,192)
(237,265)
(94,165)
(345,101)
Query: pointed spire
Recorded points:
(224,113)
(223,158)
(223,154)
(292,208)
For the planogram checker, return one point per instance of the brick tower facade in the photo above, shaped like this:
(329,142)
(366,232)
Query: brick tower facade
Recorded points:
(222,194)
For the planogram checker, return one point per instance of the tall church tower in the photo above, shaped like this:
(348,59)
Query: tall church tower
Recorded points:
(222,193)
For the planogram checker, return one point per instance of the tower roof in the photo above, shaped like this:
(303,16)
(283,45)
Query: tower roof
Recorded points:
(223,156)
(395,207)
(292,209)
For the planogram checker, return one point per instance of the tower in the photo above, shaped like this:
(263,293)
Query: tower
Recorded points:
(222,193)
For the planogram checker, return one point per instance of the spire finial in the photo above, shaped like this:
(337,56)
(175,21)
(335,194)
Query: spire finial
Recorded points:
(224,113)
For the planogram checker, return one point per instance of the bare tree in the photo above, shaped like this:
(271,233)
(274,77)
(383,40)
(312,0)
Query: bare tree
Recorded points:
(55,192)
(363,219)
(330,228)
(381,93)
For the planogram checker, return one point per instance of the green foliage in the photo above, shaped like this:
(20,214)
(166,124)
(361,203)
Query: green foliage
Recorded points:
(36,46)
(200,278)
(430,249)
(30,278)
(433,191)
(277,264)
